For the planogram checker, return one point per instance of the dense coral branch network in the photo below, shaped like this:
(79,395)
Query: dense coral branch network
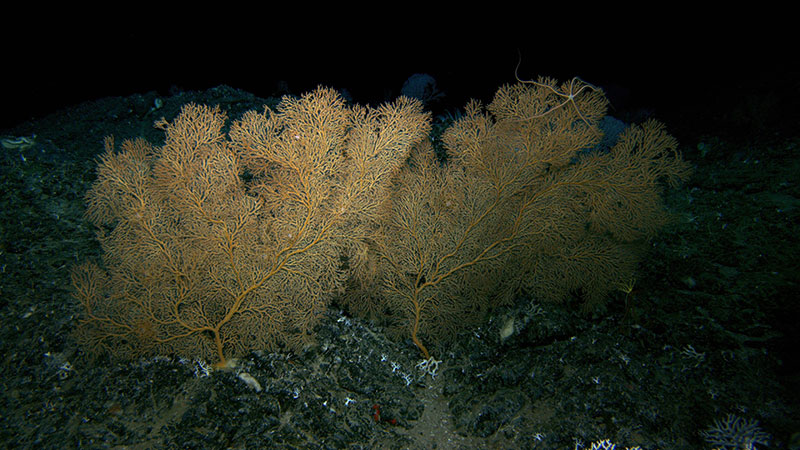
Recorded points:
(216,244)
(569,93)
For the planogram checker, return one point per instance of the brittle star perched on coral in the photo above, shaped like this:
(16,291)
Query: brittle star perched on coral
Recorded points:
(574,87)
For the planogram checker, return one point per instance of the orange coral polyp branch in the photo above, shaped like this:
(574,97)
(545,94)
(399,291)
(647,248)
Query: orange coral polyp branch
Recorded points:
(199,257)
(207,252)
(556,223)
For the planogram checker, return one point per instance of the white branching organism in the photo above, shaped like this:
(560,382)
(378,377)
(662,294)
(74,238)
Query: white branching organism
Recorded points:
(734,433)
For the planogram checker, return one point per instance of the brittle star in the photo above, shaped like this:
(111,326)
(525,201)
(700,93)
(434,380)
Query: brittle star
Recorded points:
(570,96)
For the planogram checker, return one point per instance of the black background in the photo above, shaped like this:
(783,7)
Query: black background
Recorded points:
(675,66)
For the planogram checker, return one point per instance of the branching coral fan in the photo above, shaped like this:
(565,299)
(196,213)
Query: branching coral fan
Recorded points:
(214,245)
(523,202)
